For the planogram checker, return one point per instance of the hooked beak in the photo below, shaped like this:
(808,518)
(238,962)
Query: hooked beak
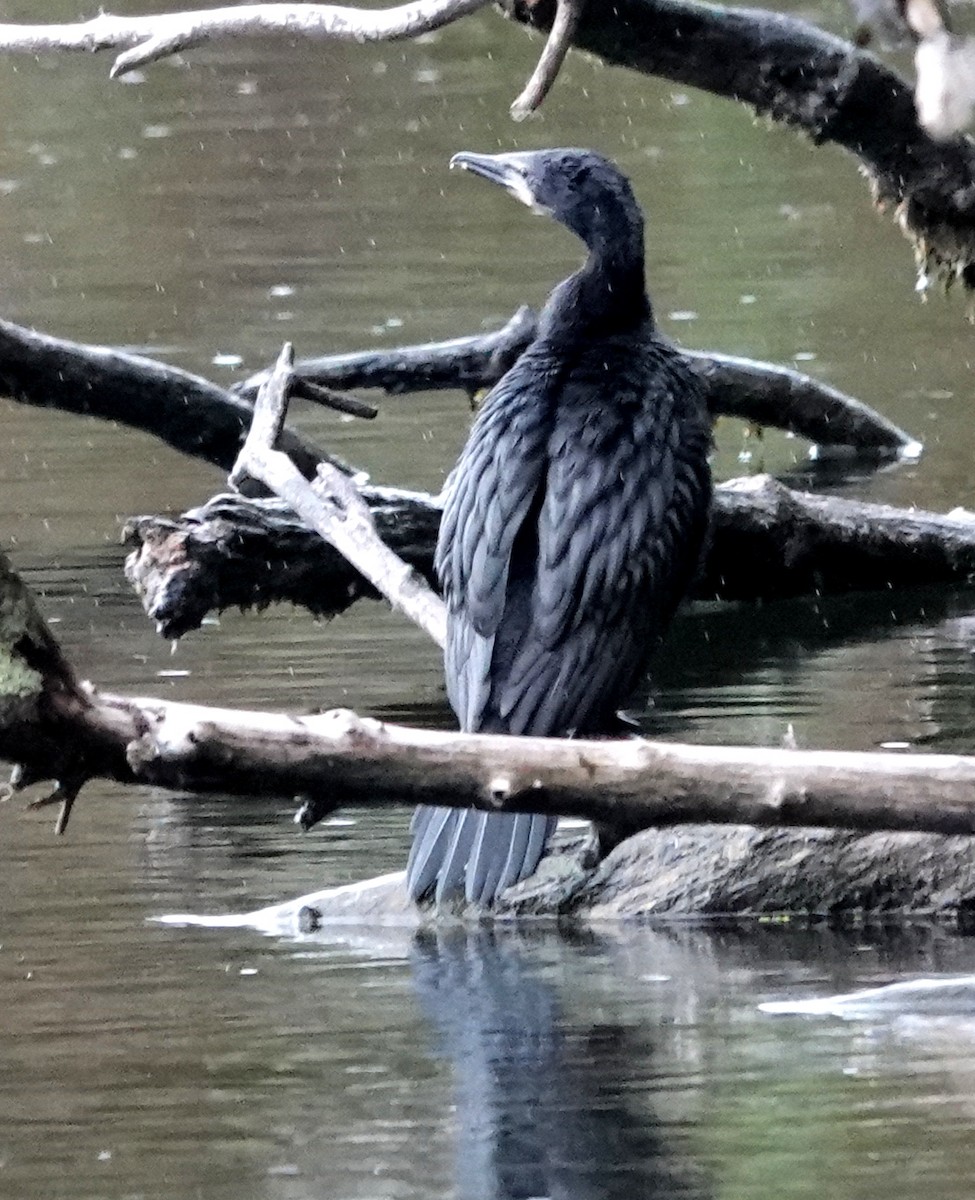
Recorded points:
(508,170)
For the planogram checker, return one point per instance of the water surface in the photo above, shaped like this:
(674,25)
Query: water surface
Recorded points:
(248,194)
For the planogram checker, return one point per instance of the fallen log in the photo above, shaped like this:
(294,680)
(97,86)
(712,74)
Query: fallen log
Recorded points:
(758,392)
(768,542)
(60,729)
(239,553)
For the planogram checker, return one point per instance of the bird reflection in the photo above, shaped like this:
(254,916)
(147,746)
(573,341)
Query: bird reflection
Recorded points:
(544,1108)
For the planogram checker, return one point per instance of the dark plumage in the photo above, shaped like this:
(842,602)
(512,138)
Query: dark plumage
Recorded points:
(573,520)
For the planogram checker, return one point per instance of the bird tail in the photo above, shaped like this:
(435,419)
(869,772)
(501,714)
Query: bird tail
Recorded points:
(461,850)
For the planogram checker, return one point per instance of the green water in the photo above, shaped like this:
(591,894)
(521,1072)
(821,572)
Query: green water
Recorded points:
(248,194)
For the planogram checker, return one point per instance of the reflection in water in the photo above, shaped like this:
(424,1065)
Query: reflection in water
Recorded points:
(209,212)
(542,1105)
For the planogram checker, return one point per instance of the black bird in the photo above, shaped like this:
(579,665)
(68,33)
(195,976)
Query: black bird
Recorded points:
(573,520)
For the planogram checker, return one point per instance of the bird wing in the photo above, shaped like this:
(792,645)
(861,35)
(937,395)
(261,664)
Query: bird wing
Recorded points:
(619,533)
(488,499)
(570,531)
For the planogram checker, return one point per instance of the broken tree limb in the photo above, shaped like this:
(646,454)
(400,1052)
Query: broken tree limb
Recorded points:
(790,71)
(338,758)
(556,48)
(331,506)
(758,392)
(469,363)
(185,411)
(784,67)
(768,542)
(200,418)
(150,38)
(630,785)
(767,394)
(206,559)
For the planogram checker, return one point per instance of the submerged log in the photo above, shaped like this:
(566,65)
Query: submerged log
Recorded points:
(768,542)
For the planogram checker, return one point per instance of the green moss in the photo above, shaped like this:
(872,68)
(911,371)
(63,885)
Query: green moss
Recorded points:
(17,680)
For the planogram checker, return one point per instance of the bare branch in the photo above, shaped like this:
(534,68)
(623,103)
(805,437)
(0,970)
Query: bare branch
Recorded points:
(187,412)
(342,402)
(59,729)
(67,731)
(767,542)
(802,77)
(781,398)
(148,39)
(332,506)
(759,392)
(198,417)
(551,60)
(629,785)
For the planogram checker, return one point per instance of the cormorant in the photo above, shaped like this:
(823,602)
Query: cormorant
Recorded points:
(573,520)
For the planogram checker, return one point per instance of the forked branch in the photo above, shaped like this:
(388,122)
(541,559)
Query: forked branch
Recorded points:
(331,506)
(150,38)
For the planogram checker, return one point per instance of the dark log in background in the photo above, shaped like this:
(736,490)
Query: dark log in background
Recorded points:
(794,73)
(768,542)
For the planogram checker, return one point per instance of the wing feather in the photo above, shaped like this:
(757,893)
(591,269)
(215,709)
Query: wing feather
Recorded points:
(572,525)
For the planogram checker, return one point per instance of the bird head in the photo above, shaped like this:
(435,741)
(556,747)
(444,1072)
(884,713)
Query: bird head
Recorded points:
(579,188)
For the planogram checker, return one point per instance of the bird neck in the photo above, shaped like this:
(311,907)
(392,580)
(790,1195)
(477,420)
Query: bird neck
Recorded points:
(607,295)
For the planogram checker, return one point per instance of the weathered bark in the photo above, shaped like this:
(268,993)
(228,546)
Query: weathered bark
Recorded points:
(771,542)
(794,73)
(470,363)
(768,394)
(200,418)
(238,553)
(59,729)
(337,757)
(185,411)
(556,48)
(331,506)
(784,67)
(153,37)
(758,392)
(768,542)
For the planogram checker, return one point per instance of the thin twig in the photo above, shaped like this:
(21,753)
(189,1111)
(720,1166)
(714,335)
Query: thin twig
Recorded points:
(64,795)
(341,402)
(551,60)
